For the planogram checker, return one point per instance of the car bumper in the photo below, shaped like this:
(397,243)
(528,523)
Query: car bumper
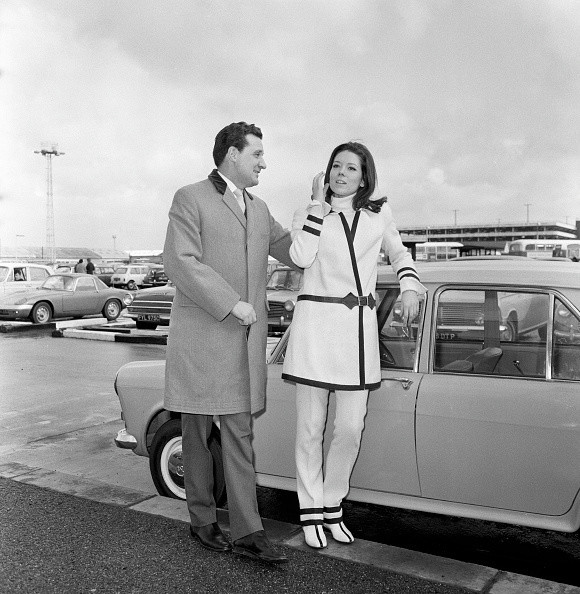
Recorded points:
(14,313)
(125,440)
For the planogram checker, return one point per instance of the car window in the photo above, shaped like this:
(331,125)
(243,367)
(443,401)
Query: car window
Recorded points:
(20,273)
(85,284)
(121,270)
(491,332)
(565,343)
(285,279)
(37,274)
(397,341)
(4,272)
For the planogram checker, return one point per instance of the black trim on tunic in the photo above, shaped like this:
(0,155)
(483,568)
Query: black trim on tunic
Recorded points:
(315,384)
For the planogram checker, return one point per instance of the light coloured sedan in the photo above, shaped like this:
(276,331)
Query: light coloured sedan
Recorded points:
(63,296)
(469,421)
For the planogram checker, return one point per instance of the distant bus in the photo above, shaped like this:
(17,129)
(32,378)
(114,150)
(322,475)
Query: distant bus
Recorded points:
(430,251)
(545,248)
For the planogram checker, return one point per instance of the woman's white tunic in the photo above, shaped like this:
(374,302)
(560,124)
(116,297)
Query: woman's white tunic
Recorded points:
(331,345)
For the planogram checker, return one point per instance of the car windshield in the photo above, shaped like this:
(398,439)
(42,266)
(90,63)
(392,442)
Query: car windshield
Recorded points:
(288,280)
(59,282)
(4,270)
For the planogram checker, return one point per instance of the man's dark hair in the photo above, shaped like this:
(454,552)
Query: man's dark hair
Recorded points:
(232,135)
(362,198)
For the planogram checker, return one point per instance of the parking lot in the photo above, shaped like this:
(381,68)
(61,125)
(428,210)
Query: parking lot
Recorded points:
(68,414)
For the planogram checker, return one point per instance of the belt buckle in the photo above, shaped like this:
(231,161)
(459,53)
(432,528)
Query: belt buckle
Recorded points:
(362,300)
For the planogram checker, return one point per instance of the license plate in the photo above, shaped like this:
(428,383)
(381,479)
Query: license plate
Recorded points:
(148,318)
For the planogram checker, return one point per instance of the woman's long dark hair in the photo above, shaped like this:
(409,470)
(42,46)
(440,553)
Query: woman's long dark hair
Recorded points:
(362,198)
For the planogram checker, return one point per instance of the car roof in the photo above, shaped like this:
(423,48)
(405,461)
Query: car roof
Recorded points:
(527,272)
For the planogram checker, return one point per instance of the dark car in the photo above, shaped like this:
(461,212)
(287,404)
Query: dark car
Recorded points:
(152,307)
(156,277)
(104,273)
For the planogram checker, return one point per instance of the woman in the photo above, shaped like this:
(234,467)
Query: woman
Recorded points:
(333,344)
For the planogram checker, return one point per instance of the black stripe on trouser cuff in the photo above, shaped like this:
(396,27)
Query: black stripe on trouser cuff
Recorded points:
(312,510)
(317,522)
(332,510)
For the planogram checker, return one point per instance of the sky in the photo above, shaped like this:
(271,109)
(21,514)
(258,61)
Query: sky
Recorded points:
(470,108)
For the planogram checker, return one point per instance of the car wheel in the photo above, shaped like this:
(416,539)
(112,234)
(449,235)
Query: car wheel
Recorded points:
(145,325)
(166,465)
(510,333)
(41,313)
(131,285)
(112,310)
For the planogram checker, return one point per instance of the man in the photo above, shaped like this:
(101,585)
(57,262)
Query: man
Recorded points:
(90,266)
(216,253)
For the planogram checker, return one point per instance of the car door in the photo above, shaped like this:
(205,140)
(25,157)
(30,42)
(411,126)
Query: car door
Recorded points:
(84,299)
(387,460)
(496,433)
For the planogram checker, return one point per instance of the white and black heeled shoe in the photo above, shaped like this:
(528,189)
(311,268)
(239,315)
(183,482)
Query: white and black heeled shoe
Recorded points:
(334,524)
(314,536)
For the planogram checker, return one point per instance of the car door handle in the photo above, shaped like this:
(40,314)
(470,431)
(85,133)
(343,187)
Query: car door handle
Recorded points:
(404,381)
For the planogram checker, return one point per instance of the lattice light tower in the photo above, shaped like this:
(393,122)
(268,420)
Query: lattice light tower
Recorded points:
(49,151)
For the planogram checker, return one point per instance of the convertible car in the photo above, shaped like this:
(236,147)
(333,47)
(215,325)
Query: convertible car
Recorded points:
(64,296)
(477,415)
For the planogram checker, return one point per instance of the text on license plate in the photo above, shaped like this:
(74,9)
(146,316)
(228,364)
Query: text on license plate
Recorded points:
(148,318)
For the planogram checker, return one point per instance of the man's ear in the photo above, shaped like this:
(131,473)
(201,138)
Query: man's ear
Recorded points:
(232,153)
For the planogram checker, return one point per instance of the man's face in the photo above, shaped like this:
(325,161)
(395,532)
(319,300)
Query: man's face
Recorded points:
(249,163)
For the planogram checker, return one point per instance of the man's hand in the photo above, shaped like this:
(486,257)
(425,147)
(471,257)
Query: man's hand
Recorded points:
(410,306)
(245,313)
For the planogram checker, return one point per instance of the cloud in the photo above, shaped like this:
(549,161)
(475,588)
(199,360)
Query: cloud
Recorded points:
(461,104)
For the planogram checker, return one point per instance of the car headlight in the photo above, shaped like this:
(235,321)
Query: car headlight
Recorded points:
(128,299)
(289,305)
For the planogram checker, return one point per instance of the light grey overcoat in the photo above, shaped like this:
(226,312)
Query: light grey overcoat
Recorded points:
(216,256)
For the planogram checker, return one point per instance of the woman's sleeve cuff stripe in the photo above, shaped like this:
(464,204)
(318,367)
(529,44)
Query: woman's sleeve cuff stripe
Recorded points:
(408,274)
(314,219)
(311,230)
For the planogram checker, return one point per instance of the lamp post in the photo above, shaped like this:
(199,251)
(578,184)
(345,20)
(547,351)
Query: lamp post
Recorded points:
(114,243)
(49,152)
(527,205)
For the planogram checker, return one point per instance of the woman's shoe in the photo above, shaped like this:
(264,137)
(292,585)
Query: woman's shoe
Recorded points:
(334,524)
(314,536)
(340,532)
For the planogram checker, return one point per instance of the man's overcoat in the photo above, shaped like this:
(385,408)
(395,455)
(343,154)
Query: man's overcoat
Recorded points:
(216,256)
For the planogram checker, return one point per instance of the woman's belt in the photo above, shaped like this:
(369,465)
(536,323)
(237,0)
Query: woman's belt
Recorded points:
(350,300)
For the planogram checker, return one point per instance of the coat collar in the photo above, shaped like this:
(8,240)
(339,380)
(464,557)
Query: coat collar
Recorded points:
(231,202)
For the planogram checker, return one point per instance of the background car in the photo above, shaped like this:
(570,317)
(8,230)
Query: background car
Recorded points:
(63,296)
(152,307)
(282,292)
(131,276)
(105,273)
(21,276)
(156,277)
(463,425)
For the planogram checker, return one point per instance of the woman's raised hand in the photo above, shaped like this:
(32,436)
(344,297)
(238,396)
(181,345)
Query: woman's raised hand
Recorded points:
(319,187)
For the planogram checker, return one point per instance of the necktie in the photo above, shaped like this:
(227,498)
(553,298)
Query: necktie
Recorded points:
(240,197)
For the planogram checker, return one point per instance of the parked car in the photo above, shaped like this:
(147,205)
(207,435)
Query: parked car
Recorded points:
(63,296)
(152,307)
(156,277)
(282,292)
(130,276)
(21,276)
(463,424)
(105,273)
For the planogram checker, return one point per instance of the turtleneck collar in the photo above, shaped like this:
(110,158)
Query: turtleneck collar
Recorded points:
(342,203)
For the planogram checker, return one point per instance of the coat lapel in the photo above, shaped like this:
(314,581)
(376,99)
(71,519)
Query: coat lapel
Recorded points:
(227,196)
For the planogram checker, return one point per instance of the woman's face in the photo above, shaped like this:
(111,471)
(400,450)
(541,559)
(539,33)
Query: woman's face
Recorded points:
(345,174)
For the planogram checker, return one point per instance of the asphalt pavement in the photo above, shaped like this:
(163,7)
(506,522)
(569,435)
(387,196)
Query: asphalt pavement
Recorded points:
(61,532)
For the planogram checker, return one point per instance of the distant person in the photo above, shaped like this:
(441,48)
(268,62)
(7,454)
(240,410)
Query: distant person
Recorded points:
(334,342)
(216,253)
(90,267)
(80,266)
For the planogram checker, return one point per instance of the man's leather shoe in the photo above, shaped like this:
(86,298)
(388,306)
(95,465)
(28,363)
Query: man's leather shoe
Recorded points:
(211,537)
(258,546)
